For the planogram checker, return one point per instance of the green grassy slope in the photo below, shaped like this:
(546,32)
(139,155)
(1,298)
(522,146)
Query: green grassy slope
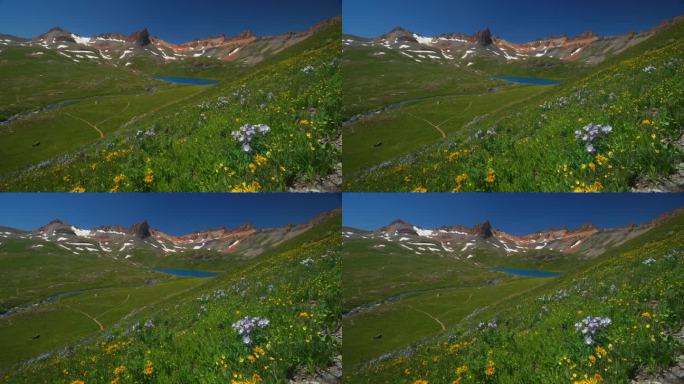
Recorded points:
(420,295)
(532,338)
(535,149)
(295,285)
(190,146)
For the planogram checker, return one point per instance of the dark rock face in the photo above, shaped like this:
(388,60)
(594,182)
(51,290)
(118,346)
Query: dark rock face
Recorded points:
(142,230)
(484,38)
(485,230)
(141,38)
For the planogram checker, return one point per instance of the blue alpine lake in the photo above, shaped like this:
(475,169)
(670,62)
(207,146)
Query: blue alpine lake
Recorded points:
(186,80)
(528,272)
(186,272)
(528,80)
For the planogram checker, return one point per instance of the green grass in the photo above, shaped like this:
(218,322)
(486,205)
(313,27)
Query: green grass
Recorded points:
(371,82)
(420,294)
(535,148)
(409,128)
(192,148)
(535,338)
(296,285)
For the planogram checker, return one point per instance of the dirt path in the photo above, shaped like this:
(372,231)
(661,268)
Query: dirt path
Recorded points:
(113,308)
(87,122)
(457,115)
(430,316)
(429,122)
(138,117)
(114,115)
(88,316)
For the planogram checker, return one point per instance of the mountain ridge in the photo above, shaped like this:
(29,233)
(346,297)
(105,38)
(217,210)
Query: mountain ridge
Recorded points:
(117,47)
(587,239)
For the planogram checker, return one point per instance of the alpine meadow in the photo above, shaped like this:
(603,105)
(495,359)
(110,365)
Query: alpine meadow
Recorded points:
(135,304)
(119,113)
(476,112)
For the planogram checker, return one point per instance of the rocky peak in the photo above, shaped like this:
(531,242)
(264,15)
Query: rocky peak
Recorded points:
(140,38)
(55,226)
(245,35)
(484,37)
(484,230)
(141,230)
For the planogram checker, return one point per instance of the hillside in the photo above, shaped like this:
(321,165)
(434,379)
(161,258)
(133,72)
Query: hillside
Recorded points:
(461,127)
(100,125)
(117,319)
(494,317)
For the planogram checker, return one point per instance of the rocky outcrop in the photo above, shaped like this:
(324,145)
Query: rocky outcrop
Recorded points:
(140,38)
(484,37)
(141,230)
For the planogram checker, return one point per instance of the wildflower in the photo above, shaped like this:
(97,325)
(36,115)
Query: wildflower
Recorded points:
(247,133)
(419,189)
(647,122)
(245,326)
(649,69)
(590,325)
(252,167)
(149,368)
(649,261)
(149,176)
(307,262)
(260,160)
(304,314)
(646,315)
(244,187)
(78,382)
(308,69)
(600,351)
(120,369)
(600,159)
(491,368)
(119,178)
(462,369)
(78,189)
(304,122)
(491,176)
(420,381)
(592,166)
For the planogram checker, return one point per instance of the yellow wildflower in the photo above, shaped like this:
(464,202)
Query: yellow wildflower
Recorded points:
(491,368)
(78,189)
(149,368)
(260,160)
(244,187)
(419,189)
(600,159)
(252,167)
(491,176)
(462,369)
(149,176)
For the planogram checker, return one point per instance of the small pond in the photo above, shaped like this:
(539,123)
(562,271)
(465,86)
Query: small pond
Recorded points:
(186,80)
(528,272)
(528,80)
(186,272)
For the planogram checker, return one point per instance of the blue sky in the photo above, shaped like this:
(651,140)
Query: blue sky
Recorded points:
(517,213)
(517,21)
(175,213)
(172,20)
